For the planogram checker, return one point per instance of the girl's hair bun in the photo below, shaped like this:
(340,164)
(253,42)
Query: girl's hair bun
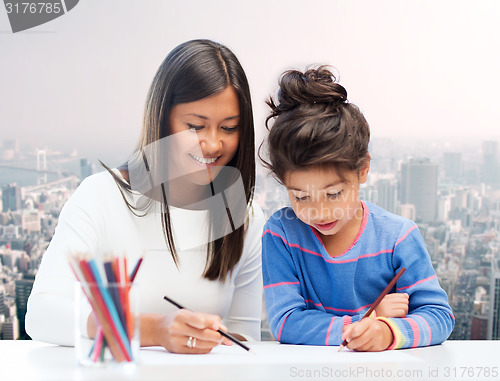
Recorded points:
(317,85)
(313,124)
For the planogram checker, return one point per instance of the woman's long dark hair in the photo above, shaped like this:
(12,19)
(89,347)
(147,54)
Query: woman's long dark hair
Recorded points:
(192,71)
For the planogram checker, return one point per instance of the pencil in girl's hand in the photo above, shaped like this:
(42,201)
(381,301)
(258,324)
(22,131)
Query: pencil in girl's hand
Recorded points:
(379,299)
(225,334)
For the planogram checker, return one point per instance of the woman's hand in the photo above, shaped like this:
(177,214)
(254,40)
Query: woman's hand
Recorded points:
(368,335)
(185,331)
(173,331)
(393,306)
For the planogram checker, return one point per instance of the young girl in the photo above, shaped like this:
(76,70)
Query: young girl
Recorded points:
(328,257)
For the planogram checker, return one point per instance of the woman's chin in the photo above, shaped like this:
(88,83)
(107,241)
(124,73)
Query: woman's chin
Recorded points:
(204,176)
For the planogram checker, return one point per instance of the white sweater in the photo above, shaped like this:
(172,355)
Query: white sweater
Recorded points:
(96,220)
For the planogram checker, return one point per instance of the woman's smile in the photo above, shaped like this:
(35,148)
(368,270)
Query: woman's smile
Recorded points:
(205,161)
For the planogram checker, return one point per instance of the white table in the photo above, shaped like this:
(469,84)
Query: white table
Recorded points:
(453,360)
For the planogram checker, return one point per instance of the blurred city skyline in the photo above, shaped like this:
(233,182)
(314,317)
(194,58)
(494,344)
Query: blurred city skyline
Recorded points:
(421,71)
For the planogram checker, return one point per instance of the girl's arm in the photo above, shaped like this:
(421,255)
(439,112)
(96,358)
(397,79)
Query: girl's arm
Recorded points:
(430,319)
(289,318)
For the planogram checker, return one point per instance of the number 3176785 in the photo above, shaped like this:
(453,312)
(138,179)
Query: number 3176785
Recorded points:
(34,7)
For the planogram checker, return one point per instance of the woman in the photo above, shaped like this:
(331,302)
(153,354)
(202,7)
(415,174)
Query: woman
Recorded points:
(184,201)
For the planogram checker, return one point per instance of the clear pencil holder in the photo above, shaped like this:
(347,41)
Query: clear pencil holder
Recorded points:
(114,307)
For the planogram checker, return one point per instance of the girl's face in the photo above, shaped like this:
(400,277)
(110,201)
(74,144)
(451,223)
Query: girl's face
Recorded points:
(209,135)
(322,199)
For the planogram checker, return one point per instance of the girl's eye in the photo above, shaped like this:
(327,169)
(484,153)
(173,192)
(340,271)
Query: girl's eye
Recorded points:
(194,127)
(334,196)
(303,198)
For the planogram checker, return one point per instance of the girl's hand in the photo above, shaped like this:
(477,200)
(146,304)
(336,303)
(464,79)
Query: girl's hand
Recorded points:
(393,306)
(175,330)
(368,335)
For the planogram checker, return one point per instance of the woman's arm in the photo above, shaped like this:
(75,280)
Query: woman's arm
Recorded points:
(172,331)
(50,310)
(245,313)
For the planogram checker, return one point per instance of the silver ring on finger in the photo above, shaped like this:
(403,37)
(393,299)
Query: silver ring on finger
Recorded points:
(189,343)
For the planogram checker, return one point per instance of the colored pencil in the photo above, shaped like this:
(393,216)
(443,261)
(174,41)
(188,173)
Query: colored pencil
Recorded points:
(379,299)
(114,270)
(107,306)
(135,270)
(111,309)
(108,268)
(82,275)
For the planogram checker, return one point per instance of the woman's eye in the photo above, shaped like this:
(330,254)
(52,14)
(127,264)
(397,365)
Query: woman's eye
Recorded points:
(230,129)
(194,127)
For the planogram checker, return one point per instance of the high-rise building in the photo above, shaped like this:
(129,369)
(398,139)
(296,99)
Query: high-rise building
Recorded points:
(2,298)
(23,290)
(479,327)
(387,194)
(10,328)
(452,167)
(406,211)
(490,169)
(9,149)
(494,318)
(86,168)
(11,198)
(12,144)
(419,186)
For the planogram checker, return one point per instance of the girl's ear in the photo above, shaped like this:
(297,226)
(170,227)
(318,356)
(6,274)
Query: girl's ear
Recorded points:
(363,173)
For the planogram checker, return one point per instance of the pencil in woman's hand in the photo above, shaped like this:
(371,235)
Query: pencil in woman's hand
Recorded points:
(225,334)
(379,299)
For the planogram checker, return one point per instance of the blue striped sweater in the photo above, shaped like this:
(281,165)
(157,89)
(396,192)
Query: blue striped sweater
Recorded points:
(310,296)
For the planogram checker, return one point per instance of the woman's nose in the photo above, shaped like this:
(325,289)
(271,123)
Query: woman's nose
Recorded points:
(210,143)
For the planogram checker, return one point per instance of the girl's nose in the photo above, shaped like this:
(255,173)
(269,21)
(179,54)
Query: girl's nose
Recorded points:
(320,212)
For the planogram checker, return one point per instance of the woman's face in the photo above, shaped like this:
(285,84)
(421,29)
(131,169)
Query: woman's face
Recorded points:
(207,135)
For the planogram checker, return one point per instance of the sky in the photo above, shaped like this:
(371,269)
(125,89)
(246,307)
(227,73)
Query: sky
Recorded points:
(419,70)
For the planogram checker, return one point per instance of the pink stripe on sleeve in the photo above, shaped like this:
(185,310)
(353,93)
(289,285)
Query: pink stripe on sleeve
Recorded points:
(428,328)
(280,284)
(345,310)
(328,331)
(337,309)
(415,330)
(291,244)
(329,260)
(281,328)
(420,281)
(405,235)
(315,304)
